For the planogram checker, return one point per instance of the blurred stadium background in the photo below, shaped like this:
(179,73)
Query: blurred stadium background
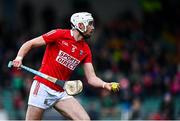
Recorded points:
(136,43)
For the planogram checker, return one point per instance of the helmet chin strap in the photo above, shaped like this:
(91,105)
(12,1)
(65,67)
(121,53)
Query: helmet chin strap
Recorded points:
(84,36)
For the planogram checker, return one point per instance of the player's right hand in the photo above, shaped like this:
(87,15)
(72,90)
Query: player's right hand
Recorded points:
(17,62)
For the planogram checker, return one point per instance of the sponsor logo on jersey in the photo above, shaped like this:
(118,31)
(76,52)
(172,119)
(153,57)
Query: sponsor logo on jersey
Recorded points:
(67,60)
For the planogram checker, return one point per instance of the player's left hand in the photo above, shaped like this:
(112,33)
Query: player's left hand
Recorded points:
(113,86)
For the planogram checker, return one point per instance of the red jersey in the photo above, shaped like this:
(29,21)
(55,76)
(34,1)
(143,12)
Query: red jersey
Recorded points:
(62,55)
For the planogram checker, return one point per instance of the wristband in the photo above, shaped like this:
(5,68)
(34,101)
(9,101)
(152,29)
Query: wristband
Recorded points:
(19,58)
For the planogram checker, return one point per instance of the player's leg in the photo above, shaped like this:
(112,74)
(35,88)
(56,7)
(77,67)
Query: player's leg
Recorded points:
(71,109)
(34,113)
(36,102)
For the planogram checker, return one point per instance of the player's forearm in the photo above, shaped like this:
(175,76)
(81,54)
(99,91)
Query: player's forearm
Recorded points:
(96,82)
(24,49)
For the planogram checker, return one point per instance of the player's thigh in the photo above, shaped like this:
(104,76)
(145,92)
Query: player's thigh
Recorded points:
(34,113)
(71,109)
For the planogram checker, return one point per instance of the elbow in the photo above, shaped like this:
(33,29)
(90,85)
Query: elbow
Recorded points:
(90,80)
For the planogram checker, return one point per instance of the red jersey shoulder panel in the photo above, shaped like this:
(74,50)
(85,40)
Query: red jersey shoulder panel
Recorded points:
(54,35)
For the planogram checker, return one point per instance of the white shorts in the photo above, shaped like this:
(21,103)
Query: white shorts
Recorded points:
(44,97)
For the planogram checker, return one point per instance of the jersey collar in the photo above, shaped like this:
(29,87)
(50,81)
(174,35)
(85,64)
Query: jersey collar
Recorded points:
(71,32)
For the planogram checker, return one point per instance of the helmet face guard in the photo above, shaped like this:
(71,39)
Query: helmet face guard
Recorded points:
(81,17)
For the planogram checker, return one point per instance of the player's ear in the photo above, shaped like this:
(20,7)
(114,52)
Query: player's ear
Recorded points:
(81,26)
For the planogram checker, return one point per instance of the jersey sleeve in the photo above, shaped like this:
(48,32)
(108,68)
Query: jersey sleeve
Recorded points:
(88,58)
(52,35)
